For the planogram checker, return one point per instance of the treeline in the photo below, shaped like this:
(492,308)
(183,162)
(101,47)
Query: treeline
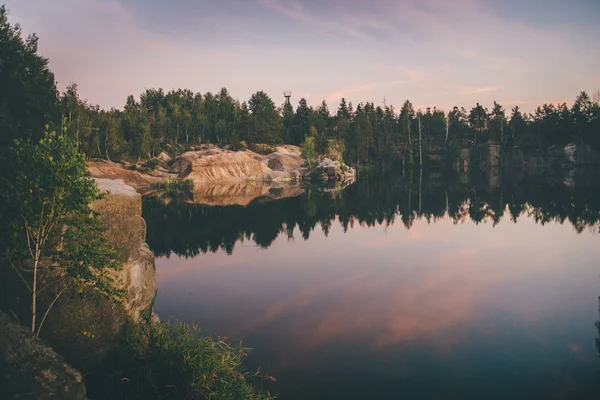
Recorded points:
(188,230)
(372,134)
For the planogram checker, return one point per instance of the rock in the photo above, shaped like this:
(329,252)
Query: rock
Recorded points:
(494,155)
(84,325)
(138,180)
(209,165)
(164,157)
(32,370)
(328,170)
(579,155)
(122,214)
(216,165)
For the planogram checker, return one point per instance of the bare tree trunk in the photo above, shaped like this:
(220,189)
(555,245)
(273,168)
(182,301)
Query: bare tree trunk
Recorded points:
(447,121)
(106,139)
(34,295)
(420,141)
(420,163)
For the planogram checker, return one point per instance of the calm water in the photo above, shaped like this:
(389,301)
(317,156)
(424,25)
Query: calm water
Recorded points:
(439,288)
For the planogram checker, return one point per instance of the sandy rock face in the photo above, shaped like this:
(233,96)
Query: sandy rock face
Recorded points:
(216,165)
(122,214)
(136,179)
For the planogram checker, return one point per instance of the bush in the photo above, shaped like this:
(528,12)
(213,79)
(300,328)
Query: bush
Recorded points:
(150,165)
(164,360)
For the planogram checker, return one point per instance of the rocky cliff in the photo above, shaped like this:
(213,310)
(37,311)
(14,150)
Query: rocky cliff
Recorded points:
(85,325)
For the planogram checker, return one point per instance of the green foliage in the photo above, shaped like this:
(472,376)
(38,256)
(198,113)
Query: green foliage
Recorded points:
(265,120)
(367,166)
(261,148)
(28,96)
(49,197)
(150,165)
(181,118)
(164,360)
(309,152)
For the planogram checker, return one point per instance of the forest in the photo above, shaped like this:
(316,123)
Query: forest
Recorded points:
(372,135)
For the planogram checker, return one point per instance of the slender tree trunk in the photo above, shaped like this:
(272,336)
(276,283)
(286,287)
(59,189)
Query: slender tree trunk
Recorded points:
(420,142)
(34,289)
(420,164)
(106,139)
(98,142)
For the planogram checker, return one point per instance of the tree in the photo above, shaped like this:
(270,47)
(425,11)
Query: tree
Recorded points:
(309,152)
(266,121)
(478,119)
(302,121)
(288,123)
(498,123)
(407,114)
(50,196)
(28,95)
(447,123)
(517,123)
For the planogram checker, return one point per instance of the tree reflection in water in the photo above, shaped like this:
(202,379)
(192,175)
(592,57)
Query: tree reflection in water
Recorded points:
(190,229)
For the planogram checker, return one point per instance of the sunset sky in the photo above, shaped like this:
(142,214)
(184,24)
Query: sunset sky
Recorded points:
(433,52)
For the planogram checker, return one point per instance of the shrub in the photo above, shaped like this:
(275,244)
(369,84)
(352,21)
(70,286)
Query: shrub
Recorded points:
(164,360)
(150,165)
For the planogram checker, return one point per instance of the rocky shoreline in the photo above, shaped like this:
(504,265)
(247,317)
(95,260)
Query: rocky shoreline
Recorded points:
(227,177)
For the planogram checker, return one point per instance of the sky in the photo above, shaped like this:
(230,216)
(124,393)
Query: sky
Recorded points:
(433,52)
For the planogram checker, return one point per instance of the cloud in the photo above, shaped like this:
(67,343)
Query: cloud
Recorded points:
(295,10)
(479,90)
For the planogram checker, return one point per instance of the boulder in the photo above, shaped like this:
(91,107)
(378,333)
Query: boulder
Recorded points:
(328,170)
(30,370)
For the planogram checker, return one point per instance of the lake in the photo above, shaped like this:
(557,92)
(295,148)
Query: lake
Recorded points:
(399,286)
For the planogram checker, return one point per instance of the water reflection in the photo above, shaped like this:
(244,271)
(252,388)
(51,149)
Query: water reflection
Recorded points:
(190,229)
(340,300)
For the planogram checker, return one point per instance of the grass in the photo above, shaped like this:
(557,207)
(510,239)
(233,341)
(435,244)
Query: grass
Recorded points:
(176,360)
(172,360)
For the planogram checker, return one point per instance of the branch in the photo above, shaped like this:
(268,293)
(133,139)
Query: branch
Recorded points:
(48,284)
(47,311)
(28,235)
(20,276)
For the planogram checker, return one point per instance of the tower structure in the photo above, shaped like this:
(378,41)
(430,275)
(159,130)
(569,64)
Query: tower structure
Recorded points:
(287,94)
